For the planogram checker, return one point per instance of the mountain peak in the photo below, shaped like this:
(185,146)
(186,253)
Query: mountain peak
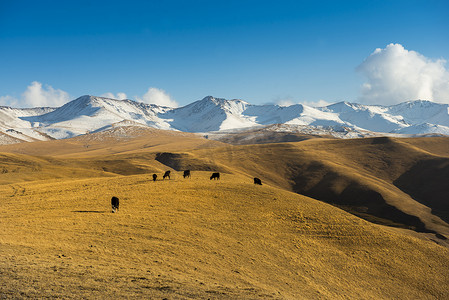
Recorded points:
(85,98)
(419,103)
(221,101)
(90,113)
(208,98)
(343,106)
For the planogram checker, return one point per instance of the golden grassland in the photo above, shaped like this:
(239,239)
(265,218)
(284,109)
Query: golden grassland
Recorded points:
(226,239)
(197,238)
(111,142)
(386,180)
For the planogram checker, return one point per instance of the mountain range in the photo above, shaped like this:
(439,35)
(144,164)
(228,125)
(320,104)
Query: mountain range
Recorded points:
(88,114)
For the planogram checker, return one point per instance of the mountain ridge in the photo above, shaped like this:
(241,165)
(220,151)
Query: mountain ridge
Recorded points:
(91,114)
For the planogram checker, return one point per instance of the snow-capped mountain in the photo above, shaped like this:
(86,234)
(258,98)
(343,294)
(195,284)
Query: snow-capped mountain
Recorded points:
(209,114)
(90,114)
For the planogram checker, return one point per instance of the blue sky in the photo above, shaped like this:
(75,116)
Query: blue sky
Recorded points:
(259,51)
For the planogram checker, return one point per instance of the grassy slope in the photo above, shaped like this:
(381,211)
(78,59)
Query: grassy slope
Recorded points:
(201,238)
(374,178)
(118,140)
(384,180)
(122,151)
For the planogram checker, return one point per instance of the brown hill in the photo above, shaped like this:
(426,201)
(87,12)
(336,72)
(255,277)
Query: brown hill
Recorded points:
(224,239)
(398,182)
(197,238)
(385,180)
(117,140)
(271,134)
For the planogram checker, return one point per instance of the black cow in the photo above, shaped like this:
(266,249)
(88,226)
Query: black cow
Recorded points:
(186,173)
(166,174)
(154,177)
(215,176)
(114,204)
(257,181)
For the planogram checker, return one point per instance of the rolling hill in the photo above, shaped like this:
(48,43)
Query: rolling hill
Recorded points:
(198,238)
(384,180)
(383,236)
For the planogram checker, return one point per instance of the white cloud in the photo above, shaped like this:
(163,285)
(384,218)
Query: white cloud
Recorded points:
(395,75)
(119,96)
(318,103)
(285,102)
(157,96)
(37,96)
(289,102)
(9,101)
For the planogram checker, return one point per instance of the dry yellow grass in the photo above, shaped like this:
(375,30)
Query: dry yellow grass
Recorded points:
(389,181)
(118,140)
(197,238)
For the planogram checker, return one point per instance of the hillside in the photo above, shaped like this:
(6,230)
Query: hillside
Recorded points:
(197,238)
(396,182)
(384,180)
(115,140)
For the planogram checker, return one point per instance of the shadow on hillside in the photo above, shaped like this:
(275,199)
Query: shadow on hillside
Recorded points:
(354,197)
(90,211)
(185,161)
(263,137)
(427,183)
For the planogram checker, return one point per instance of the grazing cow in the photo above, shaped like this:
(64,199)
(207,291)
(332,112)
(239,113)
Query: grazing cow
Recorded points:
(154,177)
(114,204)
(186,173)
(166,174)
(257,181)
(215,176)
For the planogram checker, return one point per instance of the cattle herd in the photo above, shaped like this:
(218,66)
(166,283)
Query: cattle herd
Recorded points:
(186,174)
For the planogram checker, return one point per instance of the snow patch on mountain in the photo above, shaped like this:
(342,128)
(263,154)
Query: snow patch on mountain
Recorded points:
(209,114)
(425,128)
(88,114)
(368,117)
(421,111)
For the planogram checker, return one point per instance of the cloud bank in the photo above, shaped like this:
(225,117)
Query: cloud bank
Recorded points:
(319,103)
(118,96)
(157,96)
(285,102)
(9,101)
(289,102)
(395,75)
(37,95)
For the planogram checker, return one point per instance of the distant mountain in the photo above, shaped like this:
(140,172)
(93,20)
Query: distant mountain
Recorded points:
(209,114)
(91,114)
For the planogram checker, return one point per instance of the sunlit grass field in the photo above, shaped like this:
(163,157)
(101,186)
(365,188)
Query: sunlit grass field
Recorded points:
(200,238)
